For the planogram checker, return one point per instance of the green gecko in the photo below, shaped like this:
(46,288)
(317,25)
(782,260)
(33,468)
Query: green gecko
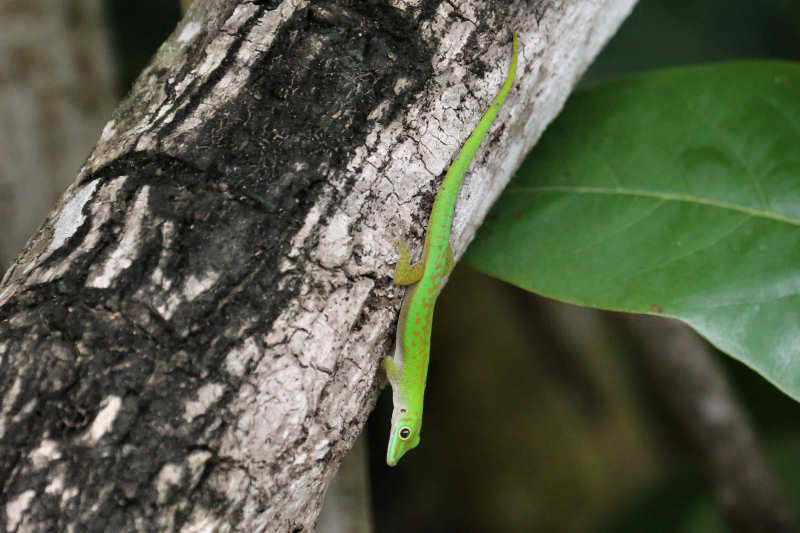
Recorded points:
(408,369)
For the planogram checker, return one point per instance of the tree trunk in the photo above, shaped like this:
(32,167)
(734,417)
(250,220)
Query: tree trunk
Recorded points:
(55,91)
(192,341)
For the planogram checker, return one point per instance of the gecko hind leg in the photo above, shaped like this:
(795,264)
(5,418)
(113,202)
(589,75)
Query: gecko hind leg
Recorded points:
(405,273)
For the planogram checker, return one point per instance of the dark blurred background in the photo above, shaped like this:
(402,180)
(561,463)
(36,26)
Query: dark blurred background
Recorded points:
(538,416)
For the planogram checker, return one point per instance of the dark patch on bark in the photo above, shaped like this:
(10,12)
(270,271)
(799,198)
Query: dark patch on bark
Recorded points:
(309,99)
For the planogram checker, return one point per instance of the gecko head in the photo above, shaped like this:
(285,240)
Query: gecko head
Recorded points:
(404,436)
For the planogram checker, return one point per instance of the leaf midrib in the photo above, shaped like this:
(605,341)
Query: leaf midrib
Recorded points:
(669,197)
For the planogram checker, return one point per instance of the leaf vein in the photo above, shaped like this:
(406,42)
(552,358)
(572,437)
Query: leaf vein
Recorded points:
(665,196)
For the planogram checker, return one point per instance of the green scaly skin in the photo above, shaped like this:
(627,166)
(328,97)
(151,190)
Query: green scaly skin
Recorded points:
(408,369)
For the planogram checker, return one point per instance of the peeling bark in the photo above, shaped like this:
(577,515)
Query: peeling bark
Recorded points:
(192,340)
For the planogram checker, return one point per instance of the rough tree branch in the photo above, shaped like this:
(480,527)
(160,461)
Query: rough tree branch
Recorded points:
(191,342)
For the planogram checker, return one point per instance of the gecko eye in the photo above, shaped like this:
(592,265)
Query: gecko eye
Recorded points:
(405,433)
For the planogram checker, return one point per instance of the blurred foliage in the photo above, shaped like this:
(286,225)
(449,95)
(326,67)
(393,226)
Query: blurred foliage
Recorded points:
(679,502)
(666,33)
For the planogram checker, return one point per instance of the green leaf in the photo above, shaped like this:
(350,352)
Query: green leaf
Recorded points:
(673,193)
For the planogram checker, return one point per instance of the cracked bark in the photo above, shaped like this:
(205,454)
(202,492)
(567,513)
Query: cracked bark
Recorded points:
(192,340)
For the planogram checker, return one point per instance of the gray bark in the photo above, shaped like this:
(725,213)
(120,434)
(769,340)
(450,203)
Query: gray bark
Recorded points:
(55,92)
(192,340)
